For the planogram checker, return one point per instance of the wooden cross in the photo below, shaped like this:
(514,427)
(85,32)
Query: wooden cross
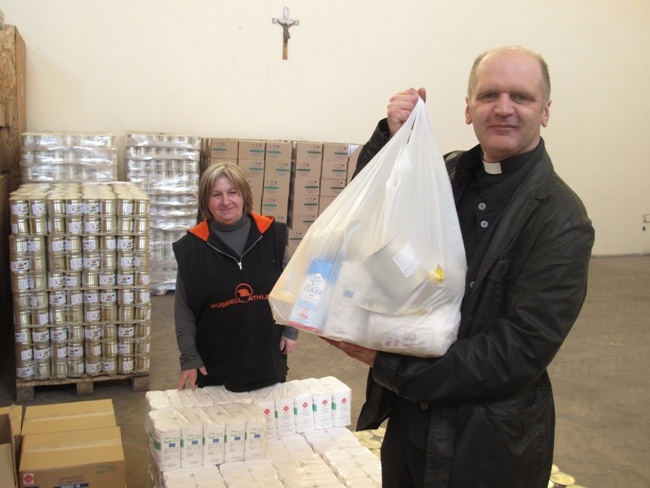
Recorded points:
(285,22)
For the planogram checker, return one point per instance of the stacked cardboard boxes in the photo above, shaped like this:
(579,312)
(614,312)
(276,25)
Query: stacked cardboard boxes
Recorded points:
(71,444)
(277,179)
(291,181)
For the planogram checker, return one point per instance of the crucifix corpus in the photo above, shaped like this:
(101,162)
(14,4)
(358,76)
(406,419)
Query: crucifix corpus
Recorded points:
(285,22)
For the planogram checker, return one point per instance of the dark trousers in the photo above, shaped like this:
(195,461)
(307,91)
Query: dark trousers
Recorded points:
(404,448)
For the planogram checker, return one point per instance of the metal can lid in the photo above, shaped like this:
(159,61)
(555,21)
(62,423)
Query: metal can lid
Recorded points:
(561,478)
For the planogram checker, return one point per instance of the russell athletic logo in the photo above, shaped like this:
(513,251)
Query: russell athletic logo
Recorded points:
(243,293)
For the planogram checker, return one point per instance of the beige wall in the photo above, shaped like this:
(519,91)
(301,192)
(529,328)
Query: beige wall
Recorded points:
(214,68)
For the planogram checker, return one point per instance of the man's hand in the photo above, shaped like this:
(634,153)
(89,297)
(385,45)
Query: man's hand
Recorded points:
(360,353)
(287,345)
(188,378)
(400,107)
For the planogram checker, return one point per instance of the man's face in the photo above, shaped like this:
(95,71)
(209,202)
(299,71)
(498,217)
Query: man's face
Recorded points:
(507,106)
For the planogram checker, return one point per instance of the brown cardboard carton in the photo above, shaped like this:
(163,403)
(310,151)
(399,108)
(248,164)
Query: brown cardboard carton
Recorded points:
(334,169)
(8,472)
(223,148)
(306,186)
(257,187)
(306,168)
(334,151)
(331,187)
(91,457)
(14,101)
(279,151)
(60,417)
(15,413)
(323,203)
(308,151)
(277,169)
(251,167)
(303,203)
(355,150)
(251,149)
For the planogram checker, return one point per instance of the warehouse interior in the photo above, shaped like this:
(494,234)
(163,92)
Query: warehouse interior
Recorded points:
(182,81)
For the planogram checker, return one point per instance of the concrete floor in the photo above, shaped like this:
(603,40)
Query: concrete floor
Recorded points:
(601,381)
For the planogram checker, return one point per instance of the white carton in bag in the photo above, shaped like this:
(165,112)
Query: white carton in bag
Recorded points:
(346,320)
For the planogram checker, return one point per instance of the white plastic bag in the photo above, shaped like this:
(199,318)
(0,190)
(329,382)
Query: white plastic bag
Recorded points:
(384,265)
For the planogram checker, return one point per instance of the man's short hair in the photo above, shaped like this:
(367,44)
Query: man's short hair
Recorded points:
(546,78)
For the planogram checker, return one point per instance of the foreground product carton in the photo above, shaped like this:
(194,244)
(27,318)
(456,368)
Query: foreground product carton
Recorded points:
(92,458)
(60,417)
(8,473)
(15,413)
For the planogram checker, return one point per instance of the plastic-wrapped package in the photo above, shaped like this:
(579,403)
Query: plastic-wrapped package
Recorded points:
(384,265)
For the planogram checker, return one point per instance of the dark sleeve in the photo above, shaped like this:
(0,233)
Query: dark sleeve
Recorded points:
(378,140)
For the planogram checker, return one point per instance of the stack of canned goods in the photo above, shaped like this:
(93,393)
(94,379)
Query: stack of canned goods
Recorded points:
(68,157)
(166,166)
(79,259)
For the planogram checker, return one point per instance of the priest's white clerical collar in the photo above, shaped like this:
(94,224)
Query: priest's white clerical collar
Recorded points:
(492,168)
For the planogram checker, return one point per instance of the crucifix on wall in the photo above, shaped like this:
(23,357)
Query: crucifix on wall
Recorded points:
(285,22)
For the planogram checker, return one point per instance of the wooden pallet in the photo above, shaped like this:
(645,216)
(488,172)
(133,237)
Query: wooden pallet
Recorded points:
(85,384)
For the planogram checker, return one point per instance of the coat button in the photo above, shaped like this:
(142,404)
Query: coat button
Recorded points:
(471,285)
(424,406)
(484,224)
(482,206)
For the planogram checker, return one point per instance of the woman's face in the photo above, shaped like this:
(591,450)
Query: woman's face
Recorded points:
(226,203)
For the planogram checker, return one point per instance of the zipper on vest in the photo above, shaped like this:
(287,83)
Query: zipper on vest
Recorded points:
(238,261)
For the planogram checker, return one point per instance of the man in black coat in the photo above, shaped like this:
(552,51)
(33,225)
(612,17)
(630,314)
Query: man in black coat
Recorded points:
(482,415)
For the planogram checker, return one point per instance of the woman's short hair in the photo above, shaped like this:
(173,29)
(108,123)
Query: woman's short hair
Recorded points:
(236,177)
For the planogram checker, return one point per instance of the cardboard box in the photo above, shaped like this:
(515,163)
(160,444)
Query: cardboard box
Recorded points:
(223,148)
(8,463)
(323,203)
(72,416)
(295,238)
(280,151)
(308,151)
(334,169)
(257,187)
(333,151)
(305,186)
(277,169)
(331,187)
(15,413)
(276,188)
(301,221)
(306,169)
(251,149)
(273,206)
(355,150)
(303,203)
(251,167)
(80,458)
(13,99)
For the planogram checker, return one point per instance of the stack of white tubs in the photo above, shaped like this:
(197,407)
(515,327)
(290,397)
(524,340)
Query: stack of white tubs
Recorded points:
(277,436)
(79,259)
(166,167)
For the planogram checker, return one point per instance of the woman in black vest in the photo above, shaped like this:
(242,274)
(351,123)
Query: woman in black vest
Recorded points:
(227,266)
